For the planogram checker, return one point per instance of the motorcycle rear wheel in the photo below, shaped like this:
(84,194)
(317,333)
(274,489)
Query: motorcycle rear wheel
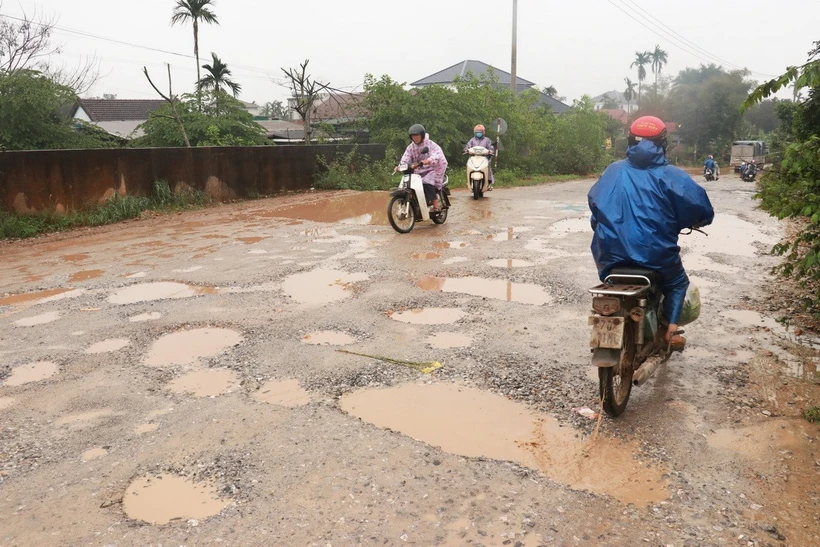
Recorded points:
(394,210)
(615,383)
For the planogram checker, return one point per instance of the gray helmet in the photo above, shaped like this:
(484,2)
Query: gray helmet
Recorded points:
(417,129)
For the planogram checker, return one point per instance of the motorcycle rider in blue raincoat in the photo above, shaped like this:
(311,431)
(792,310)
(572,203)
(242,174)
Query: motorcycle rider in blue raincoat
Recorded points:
(639,206)
(711,165)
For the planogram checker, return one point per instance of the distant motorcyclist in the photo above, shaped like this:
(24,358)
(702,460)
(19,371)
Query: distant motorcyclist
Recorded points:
(481,139)
(639,206)
(433,163)
(711,165)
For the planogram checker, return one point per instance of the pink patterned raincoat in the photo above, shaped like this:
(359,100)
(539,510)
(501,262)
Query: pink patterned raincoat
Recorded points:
(432,174)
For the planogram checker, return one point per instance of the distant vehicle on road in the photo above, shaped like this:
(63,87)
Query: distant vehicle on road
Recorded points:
(749,152)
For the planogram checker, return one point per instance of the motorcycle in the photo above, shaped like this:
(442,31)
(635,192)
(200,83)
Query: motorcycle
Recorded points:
(407,202)
(478,170)
(709,175)
(627,341)
(748,174)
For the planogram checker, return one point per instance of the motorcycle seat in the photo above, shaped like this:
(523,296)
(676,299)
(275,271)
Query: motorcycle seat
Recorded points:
(654,277)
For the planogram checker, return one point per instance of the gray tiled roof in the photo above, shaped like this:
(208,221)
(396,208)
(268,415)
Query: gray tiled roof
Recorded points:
(110,110)
(477,68)
(557,106)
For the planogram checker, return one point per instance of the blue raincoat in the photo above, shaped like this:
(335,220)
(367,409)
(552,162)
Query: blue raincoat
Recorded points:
(639,206)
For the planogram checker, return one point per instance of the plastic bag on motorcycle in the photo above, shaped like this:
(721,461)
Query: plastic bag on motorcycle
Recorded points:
(691,306)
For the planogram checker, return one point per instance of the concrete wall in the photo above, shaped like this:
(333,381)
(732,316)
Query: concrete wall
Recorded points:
(72,179)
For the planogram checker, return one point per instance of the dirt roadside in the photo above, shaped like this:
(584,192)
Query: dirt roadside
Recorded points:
(175,380)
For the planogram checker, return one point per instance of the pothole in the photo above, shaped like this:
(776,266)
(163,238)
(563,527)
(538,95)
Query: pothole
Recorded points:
(429,316)
(161,499)
(205,383)
(571,225)
(16,299)
(85,275)
(108,346)
(321,286)
(498,289)
(150,316)
(286,393)
(450,244)
(449,340)
(362,208)
(328,338)
(42,319)
(510,263)
(249,240)
(511,233)
(93,454)
(82,420)
(145,428)
(32,372)
(147,292)
(473,423)
(751,318)
(426,256)
(188,346)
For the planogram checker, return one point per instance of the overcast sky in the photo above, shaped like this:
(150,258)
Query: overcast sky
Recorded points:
(578,46)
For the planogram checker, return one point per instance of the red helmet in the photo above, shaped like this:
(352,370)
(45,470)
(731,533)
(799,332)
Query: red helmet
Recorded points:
(650,128)
(479,127)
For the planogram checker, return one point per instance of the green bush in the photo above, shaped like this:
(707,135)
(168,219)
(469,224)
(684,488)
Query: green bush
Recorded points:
(354,171)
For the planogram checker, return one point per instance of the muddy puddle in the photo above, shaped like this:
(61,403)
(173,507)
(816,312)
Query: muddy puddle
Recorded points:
(85,275)
(321,286)
(161,499)
(250,240)
(81,420)
(328,338)
(32,372)
(511,233)
(149,292)
(75,257)
(286,393)
(365,208)
(150,316)
(449,340)
(473,423)
(510,263)
(93,454)
(749,318)
(729,234)
(497,289)
(24,298)
(108,346)
(450,244)
(456,260)
(570,226)
(429,316)
(42,319)
(187,347)
(426,256)
(205,383)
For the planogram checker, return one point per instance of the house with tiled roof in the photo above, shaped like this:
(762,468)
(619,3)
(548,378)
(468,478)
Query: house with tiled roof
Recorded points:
(481,70)
(121,117)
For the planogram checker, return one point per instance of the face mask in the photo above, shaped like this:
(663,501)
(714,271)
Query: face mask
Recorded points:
(478,134)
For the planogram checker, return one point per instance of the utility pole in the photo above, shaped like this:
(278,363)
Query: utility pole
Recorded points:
(514,61)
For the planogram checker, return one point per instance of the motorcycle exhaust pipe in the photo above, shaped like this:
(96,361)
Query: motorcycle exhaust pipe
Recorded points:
(646,370)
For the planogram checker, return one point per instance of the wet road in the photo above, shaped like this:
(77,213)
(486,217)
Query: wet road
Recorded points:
(178,379)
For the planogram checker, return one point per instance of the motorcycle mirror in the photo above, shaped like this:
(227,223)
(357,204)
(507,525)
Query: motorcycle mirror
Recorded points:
(500,126)
(425,150)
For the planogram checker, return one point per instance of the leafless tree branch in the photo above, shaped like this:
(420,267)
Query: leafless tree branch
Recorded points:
(172,101)
(306,91)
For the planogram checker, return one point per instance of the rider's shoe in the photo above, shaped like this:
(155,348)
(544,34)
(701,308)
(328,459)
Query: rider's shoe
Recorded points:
(677,343)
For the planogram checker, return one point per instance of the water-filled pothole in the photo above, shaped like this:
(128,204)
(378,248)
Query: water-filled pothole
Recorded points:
(509,263)
(108,346)
(497,289)
(85,275)
(426,256)
(474,423)
(93,454)
(15,299)
(165,290)
(511,233)
(32,372)
(286,393)
(205,383)
(164,498)
(364,208)
(321,286)
(429,316)
(449,340)
(42,319)
(150,316)
(450,244)
(188,346)
(328,338)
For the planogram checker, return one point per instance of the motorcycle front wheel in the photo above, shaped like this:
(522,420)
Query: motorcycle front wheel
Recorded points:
(400,221)
(615,383)
(476,189)
(440,217)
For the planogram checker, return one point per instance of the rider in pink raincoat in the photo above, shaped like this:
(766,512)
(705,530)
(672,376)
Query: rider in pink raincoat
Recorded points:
(434,164)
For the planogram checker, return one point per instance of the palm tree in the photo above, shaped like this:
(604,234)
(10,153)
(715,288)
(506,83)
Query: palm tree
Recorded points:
(196,11)
(659,59)
(217,77)
(629,94)
(642,58)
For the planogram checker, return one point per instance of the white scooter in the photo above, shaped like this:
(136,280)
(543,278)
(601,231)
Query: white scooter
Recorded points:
(407,202)
(478,170)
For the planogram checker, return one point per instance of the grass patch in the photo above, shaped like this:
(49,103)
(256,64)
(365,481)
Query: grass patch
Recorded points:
(354,171)
(508,178)
(812,414)
(116,209)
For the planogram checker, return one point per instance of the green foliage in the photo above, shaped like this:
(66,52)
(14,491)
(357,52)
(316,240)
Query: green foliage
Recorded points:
(354,171)
(33,115)
(224,121)
(536,140)
(115,209)
(812,414)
